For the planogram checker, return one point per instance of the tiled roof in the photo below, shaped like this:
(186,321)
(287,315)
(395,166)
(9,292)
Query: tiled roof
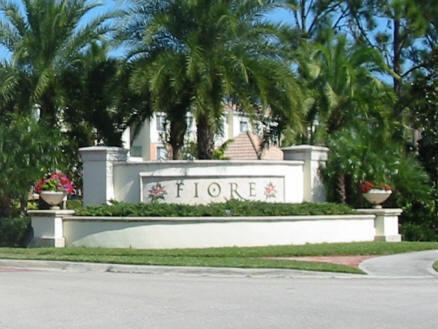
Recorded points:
(247,146)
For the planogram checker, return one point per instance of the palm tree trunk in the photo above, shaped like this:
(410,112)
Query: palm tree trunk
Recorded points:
(397,45)
(397,81)
(178,127)
(48,108)
(341,194)
(5,206)
(205,138)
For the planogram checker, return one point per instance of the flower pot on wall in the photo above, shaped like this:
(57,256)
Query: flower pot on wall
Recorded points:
(376,197)
(53,198)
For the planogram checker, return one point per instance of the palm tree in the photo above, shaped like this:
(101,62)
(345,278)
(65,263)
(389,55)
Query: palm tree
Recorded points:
(343,94)
(226,53)
(44,37)
(341,84)
(163,74)
(93,92)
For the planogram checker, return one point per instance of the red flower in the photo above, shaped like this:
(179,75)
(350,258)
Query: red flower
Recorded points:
(366,186)
(56,182)
(39,186)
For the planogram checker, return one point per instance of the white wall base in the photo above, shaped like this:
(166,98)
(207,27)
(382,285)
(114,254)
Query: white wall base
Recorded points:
(160,233)
(388,238)
(48,227)
(59,228)
(386,223)
(47,242)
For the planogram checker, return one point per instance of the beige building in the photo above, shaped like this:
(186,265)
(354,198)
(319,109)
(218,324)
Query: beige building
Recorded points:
(148,144)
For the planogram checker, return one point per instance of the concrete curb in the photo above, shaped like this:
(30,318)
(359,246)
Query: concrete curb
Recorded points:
(35,265)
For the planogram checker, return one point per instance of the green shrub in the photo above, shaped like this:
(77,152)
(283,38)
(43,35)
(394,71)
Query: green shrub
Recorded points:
(74,204)
(15,232)
(357,155)
(229,208)
(21,167)
(424,231)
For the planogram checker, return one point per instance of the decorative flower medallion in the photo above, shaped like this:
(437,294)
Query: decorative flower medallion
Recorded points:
(157,192)
(270,191)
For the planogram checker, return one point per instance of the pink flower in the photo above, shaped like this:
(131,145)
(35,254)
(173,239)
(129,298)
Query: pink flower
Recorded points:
(55,182)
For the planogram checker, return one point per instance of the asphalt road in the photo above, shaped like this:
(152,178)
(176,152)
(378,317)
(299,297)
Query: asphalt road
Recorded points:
(97,300)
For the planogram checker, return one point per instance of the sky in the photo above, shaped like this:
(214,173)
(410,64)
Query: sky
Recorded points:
(277,16)
(107,5)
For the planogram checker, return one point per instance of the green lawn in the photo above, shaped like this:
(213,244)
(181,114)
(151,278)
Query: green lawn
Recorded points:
(254,257)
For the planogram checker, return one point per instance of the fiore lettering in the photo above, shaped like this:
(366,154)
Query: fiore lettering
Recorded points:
(187,191)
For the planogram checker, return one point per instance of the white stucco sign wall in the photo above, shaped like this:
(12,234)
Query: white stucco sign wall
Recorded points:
(109,175)
(202,182)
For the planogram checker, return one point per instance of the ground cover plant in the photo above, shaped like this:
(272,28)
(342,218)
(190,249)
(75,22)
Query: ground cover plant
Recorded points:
(229,208)
(14,232)
(237,257)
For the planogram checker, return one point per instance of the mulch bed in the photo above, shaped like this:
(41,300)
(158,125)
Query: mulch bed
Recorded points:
(352,261)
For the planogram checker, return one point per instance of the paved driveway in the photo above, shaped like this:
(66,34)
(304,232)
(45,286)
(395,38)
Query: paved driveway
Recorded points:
(413,264)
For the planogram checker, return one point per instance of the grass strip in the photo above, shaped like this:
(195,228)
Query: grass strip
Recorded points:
(231,262)
(323,249)
(248,257)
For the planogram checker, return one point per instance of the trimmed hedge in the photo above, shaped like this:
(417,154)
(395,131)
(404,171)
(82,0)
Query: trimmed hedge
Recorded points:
(15,232)
(229,208)
(74,204)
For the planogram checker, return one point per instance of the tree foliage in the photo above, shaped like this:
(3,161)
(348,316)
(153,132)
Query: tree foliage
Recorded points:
(425,114)
(401,32)
(357,155)
(44,37)
(227,55)
(341,86)
(28,151)
(424,107)
(59,70)
(311,17)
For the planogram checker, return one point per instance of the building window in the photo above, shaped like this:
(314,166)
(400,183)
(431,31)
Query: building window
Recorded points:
(161,153)
(161,120)
(243,126)
(136,151)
